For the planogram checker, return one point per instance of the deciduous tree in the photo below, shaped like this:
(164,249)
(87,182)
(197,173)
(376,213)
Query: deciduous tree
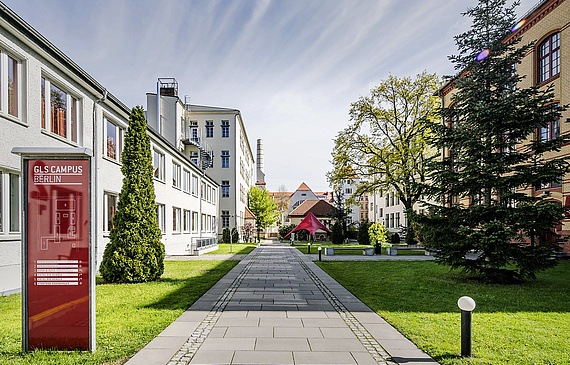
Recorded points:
(386,143)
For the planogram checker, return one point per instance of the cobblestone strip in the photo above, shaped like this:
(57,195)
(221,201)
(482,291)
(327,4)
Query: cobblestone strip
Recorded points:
(366,339)
(189,349)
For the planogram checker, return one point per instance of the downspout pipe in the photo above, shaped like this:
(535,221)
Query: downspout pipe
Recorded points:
(95,166)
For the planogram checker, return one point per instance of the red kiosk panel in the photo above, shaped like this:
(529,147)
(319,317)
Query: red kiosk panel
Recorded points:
(58,254)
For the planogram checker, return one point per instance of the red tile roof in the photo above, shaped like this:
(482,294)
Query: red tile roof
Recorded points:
(320,208)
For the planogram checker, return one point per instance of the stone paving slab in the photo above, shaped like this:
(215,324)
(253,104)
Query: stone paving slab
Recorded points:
(277,307)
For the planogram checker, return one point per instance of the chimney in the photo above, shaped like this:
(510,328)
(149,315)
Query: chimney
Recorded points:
(260,171)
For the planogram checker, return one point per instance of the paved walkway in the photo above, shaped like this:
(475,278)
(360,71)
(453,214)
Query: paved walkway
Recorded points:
(277,307)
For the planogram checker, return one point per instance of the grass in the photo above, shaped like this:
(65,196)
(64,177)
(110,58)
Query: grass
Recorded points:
(512,324)
(314,249)
(236,248)
(128,315)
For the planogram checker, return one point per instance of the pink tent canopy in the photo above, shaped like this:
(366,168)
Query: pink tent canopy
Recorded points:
(311,224)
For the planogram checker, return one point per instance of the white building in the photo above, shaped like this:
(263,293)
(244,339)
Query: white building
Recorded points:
(223,133)
(46,100)
(348,188)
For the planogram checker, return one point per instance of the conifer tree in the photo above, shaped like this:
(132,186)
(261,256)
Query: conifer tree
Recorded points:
(494,158)
(135,253)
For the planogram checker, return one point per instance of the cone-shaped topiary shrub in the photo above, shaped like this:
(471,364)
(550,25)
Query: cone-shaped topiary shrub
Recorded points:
(135,253)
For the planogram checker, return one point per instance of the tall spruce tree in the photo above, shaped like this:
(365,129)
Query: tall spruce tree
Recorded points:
(494,158)
(135,253)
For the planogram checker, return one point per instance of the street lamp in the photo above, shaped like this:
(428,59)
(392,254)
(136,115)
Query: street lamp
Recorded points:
(466,304)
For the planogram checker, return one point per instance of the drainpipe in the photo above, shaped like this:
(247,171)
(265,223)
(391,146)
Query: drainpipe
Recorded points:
(158,108)
(95,169)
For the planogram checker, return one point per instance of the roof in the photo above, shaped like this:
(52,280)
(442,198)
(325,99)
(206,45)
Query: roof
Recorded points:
(319,207)
(211,109)
(249,214)
(303,186)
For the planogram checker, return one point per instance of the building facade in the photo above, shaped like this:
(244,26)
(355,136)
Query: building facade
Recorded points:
(232,165)
(46,100)
(547,64)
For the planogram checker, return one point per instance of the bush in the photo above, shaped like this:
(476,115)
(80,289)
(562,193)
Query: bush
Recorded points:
(284,230)
(336,235)
(135,253)
(363,235)
(226,235)
(351,233)
(235,235)
(395,238)
(411,235)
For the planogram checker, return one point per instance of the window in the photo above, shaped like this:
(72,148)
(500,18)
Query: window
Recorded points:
(14,203)
(63,117)
(160,217)
(397,219)
(109,210)
(176,175)
(388,199)
(225,218)
(225,128)
(1,200)
(203,191)
(225,159)
(348,191)
(225,189)
(555,183)
(549,58)
(552,129)
(209,129)
(187,221)
(392,216)
(194,157)
(114,145)
(195,185)
(193,130)
(194,221)
(11,85)
(186,181)
(158,165)
(175,219)
(203,222)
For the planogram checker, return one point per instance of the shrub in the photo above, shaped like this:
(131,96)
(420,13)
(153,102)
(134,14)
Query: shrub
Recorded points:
(351,233)
(135,253)
(235,235)
(363,236)
(395,238)
(337,237)
(284,230)
(226,235)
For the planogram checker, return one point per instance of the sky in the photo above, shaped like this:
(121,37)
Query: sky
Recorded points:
(292,67)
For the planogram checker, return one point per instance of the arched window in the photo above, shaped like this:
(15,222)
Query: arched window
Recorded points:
(549,57)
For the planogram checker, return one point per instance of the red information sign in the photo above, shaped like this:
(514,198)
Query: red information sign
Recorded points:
(58,254)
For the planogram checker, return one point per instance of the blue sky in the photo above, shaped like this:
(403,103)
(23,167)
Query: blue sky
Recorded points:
(292,67)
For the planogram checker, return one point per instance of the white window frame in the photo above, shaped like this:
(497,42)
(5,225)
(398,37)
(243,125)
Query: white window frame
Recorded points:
(195,222)
(176,220)
(120,135)
(6,203)
(185,181)
(176,168)
(70,95)
(160,212)
(161,157)
(4,91)
(106,195)
(187,221)
(194,185)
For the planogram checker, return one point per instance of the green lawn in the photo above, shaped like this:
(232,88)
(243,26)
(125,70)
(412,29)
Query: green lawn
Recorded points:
(241,248)
(512,324)
(314,249)
(128,315)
